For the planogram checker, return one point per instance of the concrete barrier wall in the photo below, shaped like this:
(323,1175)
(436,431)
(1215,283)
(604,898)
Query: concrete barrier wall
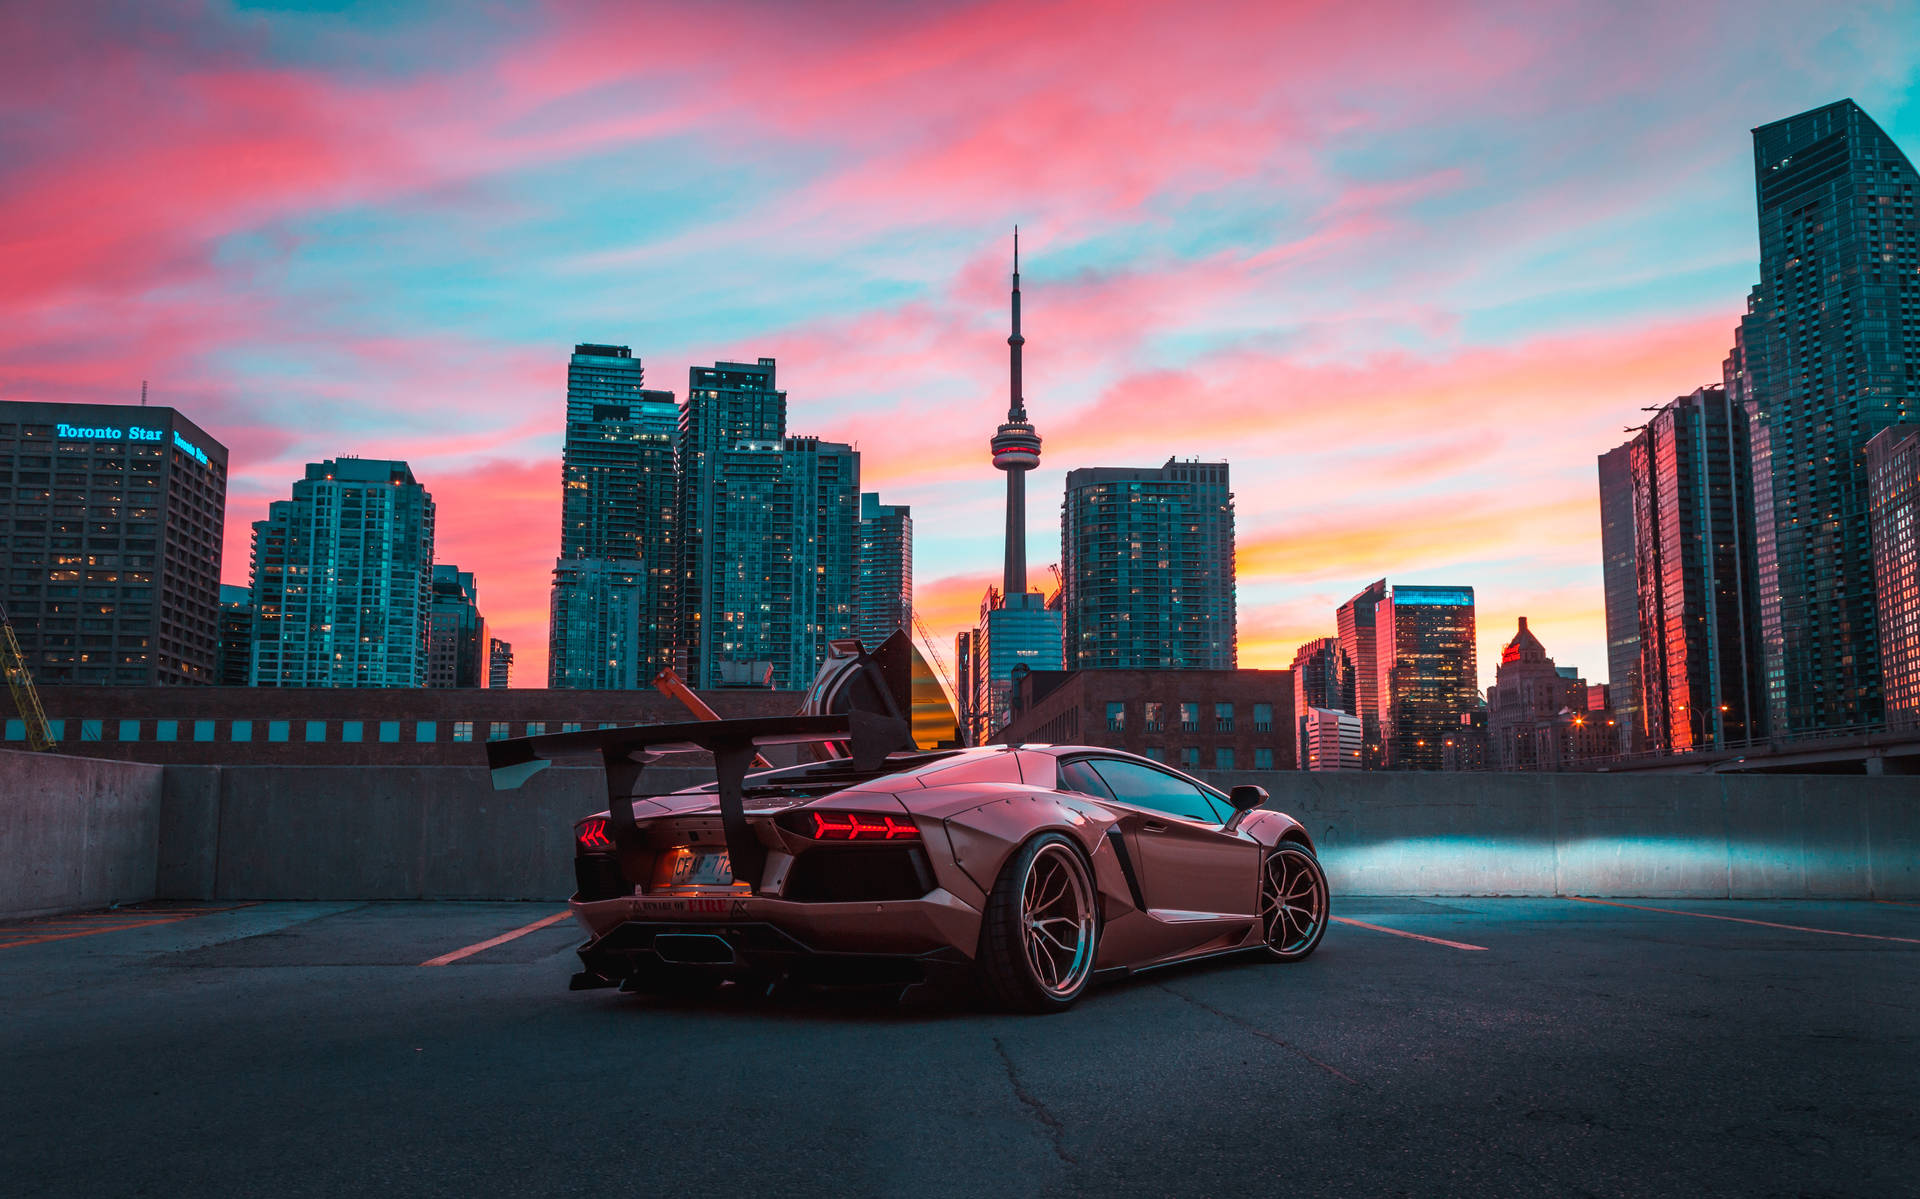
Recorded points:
(407,832)
(1730,836)
(76,832)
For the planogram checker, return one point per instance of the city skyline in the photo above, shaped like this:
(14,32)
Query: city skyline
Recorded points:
(1368,305)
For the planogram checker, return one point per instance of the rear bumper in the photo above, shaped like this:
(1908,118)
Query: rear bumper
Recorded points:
(892,943)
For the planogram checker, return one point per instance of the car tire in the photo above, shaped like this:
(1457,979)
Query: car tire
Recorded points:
(1296,904)
(1041,930)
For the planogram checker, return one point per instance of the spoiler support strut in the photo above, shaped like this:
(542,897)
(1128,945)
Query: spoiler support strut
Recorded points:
(625,752)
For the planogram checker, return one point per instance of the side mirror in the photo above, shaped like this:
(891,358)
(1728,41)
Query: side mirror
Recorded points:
(1246,797)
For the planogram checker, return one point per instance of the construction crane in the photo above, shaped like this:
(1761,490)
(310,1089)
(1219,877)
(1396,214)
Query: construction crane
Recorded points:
(14,665)
(669,683)
(1059,588)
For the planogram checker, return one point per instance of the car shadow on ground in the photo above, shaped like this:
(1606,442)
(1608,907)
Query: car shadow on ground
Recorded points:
(918,1005)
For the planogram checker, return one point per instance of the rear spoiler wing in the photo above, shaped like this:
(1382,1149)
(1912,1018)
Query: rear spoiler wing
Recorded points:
(625,752)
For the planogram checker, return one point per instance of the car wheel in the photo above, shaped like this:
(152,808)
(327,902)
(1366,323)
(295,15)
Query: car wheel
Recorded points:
(1041,928)
(1294,901)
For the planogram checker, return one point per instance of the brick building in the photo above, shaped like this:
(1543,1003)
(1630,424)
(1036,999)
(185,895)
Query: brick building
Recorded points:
(345,726)
(1193,719)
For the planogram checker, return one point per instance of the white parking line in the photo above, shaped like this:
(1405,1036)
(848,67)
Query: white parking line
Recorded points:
(1798,928)
(449,958)
(1381,928)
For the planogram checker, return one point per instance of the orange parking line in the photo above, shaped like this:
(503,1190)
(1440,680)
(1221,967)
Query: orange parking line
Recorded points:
(91,932)
(446,959)
(1381,928)
(1798,928)
(92,924)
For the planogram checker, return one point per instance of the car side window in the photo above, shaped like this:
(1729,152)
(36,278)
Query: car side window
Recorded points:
(1146,787)
(1079,776)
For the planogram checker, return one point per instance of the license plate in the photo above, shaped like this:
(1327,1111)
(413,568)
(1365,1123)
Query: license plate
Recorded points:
(685,867)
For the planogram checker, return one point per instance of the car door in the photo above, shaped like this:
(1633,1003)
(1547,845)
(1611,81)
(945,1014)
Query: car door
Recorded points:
(1191,867)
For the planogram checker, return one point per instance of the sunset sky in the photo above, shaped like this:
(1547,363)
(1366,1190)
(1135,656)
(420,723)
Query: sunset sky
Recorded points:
(1408,268)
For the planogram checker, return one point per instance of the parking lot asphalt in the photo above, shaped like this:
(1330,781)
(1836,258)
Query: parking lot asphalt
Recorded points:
(1505,1047)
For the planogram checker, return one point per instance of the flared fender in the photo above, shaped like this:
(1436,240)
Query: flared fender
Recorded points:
(1270,827)
(985,836)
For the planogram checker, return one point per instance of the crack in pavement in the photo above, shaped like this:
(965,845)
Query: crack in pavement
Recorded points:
(1056,1131)
(1262,1033)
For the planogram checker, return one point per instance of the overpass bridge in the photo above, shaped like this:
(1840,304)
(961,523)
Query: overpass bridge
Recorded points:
(1862,749)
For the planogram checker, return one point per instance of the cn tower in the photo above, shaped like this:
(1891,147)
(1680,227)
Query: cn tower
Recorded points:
(1016,450)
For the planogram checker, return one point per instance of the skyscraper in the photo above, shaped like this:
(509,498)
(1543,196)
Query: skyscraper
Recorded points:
(112,530)
(1323,679)
(1358,641)
(769,530)
(1827,356)
(456,632)
(236,636)
(617,546)
(883,590)
(1427,674)
(1148,567)
(595,625)
(1016,628)
(1699,674)
(1893,484)
(779,546)
(499,664)
(343,578)
(1622,589)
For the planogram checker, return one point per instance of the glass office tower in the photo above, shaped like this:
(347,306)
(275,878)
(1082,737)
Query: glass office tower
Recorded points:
(1893,481)
(1359,642)
(1827,356)
(1699,671)
(1323,679)
(1622,589)
(1428,672)
(1147,567)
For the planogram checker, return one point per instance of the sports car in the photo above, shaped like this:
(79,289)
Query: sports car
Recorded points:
(1025,871)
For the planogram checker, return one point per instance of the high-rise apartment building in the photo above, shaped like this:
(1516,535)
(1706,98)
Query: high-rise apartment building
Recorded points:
(1426,662)
(728,405)
(499,664)
(1358,641)
(236,637)
(1695,561)
(1148,578)
(1827,356)
(617,560)
(1893,486)
(595,625)
(1322,678)
(883,588)
(456,632)
(777,561)
(112,519)
(343,579)
(1622,587)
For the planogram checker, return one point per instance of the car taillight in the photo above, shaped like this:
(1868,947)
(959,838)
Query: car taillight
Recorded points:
(591,834)
(859,826)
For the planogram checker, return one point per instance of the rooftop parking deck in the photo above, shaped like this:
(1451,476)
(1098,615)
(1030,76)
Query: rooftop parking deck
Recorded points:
(1433,1046)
